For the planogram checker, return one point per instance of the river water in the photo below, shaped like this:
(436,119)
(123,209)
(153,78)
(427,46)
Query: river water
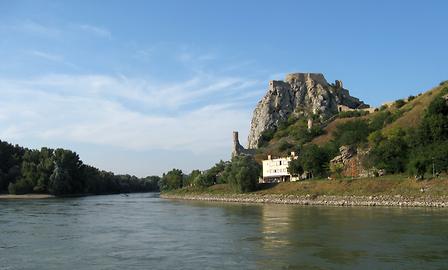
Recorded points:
(142,231)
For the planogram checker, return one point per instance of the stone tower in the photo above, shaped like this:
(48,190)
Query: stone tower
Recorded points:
(238,149)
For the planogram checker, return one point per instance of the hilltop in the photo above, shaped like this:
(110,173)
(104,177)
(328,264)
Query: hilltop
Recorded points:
(299,95)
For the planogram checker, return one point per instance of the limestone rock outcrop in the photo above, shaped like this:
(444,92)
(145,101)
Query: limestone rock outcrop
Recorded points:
(302,93)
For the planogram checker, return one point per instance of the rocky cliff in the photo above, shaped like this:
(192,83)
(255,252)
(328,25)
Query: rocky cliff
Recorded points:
(302,94)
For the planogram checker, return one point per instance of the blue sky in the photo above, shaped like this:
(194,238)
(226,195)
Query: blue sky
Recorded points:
(141,87)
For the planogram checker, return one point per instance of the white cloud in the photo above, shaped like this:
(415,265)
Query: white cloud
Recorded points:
(37,29)
(46,55)
(125,112)
(95,30)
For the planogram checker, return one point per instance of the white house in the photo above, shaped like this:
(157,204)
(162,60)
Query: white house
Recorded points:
(276,169)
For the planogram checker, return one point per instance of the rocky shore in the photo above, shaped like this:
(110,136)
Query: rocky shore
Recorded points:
(396,200)
(25,196)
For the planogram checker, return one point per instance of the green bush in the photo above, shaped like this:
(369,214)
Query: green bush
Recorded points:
(284,146)
(266,137)
(204,180)
(399,103)
(352,133)
(349,114)
(20,187)
(411,97)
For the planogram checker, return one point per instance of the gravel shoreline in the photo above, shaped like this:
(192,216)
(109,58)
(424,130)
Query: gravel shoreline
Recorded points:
(396,200)
(25,196)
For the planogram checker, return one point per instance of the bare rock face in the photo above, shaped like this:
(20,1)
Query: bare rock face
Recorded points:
(305,93)
(346,153)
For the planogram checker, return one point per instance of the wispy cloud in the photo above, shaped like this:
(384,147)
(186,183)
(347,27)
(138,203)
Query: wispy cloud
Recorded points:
(46,55)
(51,57)
(95,30)
(95,109)
(36,28)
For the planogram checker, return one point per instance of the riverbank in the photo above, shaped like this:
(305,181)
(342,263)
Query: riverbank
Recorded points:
(384,191)
(319,200)
(25,196)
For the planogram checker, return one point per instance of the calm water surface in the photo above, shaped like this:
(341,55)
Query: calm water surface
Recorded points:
(143,231)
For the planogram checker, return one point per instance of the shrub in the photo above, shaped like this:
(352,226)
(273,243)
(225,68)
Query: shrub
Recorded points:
(352,133)
(20,187)
(266,137)
(399,103)
(411,97)
(204,180)
(349,114)
(284,146)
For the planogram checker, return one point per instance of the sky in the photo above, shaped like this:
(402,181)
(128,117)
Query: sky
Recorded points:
(141,87)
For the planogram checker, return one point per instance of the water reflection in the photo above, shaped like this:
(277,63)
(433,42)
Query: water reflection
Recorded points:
(276,224)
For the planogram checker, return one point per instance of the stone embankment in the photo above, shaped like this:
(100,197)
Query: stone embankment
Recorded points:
(396,200)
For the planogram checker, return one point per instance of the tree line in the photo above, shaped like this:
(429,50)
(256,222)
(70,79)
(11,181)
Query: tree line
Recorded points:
(241,173)
(61,172)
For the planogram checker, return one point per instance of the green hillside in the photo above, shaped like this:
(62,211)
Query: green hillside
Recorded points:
(406,113)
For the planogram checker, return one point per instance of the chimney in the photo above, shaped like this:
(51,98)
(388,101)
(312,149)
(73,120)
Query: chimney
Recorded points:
(293,154)
(269,157)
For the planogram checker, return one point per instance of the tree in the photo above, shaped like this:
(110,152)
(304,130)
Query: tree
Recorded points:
(352,133)
(295,168)
(418,166)
(314,160)
(70,169)
(171,180)
(60,182)
(204,180)
(242,173)
(390,153)
(45,168)
(189,179)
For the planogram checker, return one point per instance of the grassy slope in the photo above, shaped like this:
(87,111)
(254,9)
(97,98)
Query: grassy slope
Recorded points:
(412,114)
(387,185)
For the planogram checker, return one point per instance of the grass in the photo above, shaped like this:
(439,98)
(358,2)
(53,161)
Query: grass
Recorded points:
(410,115)
(387,186)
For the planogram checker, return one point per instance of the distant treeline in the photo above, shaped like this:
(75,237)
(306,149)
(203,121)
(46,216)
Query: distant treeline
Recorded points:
(61,172)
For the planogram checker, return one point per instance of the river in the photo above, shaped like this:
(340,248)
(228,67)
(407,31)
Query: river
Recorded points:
(142,231)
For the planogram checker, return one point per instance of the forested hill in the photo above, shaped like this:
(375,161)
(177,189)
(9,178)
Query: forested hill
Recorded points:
(61,172)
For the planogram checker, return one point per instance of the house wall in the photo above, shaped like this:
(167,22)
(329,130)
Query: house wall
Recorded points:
(276,167)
